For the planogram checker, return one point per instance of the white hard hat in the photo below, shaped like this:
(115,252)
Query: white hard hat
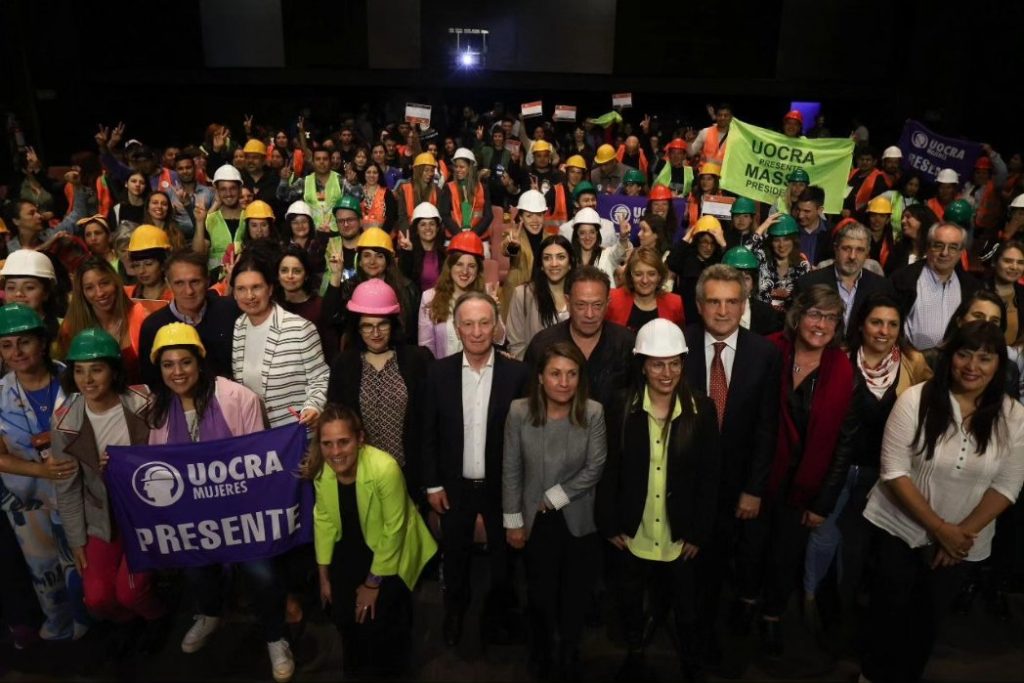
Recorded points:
(425,210)
(1017,203)
(28,263)
(532,201)
(463,153)
(587,216)
(299,208)
(948,175)
(660,338)
(227,172)
(892,152)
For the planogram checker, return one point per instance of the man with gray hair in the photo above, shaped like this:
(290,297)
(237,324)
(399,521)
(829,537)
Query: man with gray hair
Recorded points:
(930,291)
(847,274)
(740,371)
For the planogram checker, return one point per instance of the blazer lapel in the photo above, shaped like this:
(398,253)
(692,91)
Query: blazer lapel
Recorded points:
(699,376)
(273,337)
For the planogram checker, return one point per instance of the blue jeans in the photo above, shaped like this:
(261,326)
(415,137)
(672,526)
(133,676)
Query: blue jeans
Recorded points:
(824,541)
(262,580)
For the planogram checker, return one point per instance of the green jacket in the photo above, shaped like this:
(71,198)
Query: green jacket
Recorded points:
(392,527)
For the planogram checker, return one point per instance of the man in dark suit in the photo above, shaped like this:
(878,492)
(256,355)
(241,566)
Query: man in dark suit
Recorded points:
(847,275)
(739,370)
(213,316)
(759,317)
(930,291)
(465,401)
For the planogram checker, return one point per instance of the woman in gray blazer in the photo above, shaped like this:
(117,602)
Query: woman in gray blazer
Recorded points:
(554,455)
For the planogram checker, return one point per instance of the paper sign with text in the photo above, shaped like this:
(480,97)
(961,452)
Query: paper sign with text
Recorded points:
(417,113)
(533,109)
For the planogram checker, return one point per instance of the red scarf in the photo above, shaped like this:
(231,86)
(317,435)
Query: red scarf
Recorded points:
(832,397)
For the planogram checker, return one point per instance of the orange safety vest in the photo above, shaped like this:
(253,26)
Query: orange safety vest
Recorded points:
(558,215)
(713,150)
(165,183)
(478,207)
(375,211)
(692,211)
(103,199)
(620,154)
(990,208)
(442,168)
(410,198)
(938,209)
(863,195)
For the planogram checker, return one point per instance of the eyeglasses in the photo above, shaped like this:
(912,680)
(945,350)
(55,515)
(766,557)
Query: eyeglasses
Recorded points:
(346,221)
(817,316)
(942,247)
(375,328)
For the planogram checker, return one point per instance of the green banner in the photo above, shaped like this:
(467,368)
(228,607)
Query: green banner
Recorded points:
(757,161)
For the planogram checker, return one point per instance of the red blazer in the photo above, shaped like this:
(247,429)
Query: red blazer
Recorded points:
(670,307)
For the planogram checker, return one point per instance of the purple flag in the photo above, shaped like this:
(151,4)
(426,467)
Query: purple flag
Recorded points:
(928,152)
(616,206)
(195,504)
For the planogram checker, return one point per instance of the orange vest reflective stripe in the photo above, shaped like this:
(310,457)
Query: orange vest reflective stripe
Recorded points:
(410,197)
(713,150)
(990,207)
(938,209)
(165,182)
(442,168)
(863,195)
(375,210)
(558,215)
(478,206)
(883,255)
(620,154)
(692,210)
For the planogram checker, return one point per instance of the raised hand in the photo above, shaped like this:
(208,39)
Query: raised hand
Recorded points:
(645,124)
(247,124)
(102,137)
(404,243)
(117,134)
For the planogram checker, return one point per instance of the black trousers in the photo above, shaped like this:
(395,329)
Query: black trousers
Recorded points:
(717,558)
(773,556)
(674,582)
(560,572)
(380,645)
(457,526)
(18,604)
(908,600)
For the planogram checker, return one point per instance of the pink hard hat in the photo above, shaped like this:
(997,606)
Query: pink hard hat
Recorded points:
(374,297)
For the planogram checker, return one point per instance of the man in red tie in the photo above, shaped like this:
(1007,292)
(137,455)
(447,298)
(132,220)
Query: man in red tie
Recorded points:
(739,371)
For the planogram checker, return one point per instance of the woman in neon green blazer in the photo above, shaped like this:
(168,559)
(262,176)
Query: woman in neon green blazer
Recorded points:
(367,573)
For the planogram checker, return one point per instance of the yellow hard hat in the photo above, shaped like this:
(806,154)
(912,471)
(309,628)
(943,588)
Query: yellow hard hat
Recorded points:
(259,209)
(879,205)
(576,161)
(254,146)
(709,168)
(605,153)
(176,334)
(424,159)
(375,238)
(147,237)
(541,146)
(706,224)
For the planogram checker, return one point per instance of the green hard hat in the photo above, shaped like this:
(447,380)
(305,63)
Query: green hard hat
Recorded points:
(959,211)
(18,318)
(743,205)
(92,344)
(633,176)
(349,202)
(785,227)
(582,187)
(798,175)
(741,258)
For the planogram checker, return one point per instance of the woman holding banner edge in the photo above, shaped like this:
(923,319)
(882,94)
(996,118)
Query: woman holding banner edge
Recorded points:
(193,405)
(101,410)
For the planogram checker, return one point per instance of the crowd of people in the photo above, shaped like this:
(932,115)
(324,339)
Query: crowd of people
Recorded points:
(705,415)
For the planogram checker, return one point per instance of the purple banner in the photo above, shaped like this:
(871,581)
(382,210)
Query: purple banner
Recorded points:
(928,152)
(213,502)
(616,206)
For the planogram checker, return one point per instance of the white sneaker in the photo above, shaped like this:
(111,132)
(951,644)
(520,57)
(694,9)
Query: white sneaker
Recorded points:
(199,633)
(281,660)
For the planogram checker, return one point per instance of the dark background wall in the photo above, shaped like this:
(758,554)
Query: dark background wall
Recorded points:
(68,65)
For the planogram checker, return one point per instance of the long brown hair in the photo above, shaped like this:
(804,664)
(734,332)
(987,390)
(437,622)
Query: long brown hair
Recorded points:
(538,400)
(80,313)
(313,463)
(444,290)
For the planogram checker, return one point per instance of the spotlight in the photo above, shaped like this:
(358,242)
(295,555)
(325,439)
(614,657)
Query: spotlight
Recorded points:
(469,59)
(470,48)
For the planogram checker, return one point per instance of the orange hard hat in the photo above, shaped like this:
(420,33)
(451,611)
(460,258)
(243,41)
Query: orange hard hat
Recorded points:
(660,192)
(468,242)
(795,115)
(983,163)
(677,143)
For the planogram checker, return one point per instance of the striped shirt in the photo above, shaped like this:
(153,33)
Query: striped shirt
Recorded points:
(294,373)
(934,307)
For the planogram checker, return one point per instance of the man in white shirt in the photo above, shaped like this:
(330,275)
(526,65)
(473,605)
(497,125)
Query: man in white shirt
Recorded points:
(466,399)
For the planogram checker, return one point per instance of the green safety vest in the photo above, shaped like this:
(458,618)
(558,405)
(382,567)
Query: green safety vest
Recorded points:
(664,177)
(220,237)
(323,209)
(898,204)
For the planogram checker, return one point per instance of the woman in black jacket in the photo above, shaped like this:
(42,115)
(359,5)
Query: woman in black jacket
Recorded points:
(659,521)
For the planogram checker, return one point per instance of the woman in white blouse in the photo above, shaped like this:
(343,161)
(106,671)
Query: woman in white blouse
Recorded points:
(952,461)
